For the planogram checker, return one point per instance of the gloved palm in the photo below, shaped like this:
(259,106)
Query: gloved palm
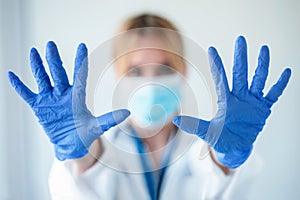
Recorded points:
(242,112)
(61,110)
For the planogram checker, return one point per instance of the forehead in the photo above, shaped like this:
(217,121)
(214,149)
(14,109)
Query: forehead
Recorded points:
(147,56)
(136,50)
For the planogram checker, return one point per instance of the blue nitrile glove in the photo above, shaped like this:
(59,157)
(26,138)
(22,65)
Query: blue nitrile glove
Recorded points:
(54,106)
(242,112)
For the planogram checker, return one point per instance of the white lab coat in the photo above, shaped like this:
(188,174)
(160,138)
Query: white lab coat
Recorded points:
(117,174)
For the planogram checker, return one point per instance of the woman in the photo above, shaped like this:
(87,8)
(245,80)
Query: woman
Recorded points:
(160,161)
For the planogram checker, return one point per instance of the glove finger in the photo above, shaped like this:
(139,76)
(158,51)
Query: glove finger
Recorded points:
(240,68)
(113,118)
(95,127)
(278,87)
(80,75)
(218,73)
(81,61)
(57,71)
(192,125)
(21,89)
(261,72)
(39,72)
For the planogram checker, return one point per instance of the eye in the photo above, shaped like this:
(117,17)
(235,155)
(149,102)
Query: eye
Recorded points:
(136,71)
(165,69)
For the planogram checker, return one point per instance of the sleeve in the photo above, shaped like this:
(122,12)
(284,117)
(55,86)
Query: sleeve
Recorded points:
(63,185)
(96,183)
(243,179)
(214,184)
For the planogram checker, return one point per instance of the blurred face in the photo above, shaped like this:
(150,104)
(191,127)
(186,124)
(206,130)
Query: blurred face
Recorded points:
(152,78)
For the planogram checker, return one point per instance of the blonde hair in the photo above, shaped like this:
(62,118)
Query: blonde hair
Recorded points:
(149,25)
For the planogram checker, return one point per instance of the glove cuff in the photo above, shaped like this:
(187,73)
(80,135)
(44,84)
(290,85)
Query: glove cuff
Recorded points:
(233,159)
(69,153)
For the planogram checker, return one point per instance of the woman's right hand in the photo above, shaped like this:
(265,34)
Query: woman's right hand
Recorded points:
(61,109)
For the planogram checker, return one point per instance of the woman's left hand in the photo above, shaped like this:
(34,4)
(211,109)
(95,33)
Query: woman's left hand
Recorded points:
(242,112)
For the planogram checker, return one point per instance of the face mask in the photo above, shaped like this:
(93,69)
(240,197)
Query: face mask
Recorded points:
(156,101)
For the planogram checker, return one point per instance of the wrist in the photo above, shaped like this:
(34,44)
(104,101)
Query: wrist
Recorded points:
(225,169)
(84,163)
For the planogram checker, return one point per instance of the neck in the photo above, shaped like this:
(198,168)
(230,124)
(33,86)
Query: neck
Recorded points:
(159,140)
(155,143)
(155,139)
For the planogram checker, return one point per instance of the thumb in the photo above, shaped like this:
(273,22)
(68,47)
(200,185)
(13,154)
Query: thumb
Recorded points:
(192,125)
(113,118)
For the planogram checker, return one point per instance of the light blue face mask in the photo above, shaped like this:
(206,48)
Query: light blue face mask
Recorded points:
(154,103)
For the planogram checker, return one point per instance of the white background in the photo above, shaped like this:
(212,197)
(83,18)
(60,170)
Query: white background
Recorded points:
(25,152)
